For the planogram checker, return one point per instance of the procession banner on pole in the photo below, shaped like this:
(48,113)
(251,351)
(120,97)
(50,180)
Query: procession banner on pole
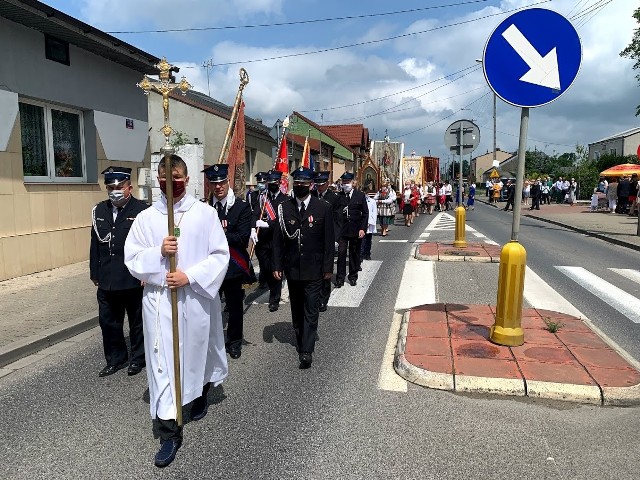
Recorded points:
(236,158)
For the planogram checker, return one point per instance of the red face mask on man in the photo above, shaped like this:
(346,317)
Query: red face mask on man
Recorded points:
(178,187)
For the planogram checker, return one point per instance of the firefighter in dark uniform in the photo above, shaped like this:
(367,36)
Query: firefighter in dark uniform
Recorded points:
(255,204)
(235,217)
(117,291)
(321,182)
(303,246)
(355,216)
(265,220)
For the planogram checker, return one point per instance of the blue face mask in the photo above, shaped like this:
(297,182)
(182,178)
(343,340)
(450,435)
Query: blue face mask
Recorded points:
(262,187)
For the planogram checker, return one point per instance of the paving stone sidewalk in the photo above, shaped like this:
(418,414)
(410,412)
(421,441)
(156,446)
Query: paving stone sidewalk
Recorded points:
(447,347)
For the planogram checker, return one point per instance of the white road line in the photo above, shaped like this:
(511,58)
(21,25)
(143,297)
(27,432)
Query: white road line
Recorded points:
(388,379)
(633,275)
(417,286)
(479,235)
(626,304)
(539,294)
(491,242)
(349,296)
(425,235)
(394,241)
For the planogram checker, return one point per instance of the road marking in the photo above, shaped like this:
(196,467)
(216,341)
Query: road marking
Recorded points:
(394,241)
(349,296)
(388,379)
(632,275)
(417,286)
(491,242)
(626,304)
(425,234)
(479,235)
(539,294)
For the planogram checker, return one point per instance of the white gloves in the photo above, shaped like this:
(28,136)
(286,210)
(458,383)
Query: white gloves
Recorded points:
(254,236)
(262,224)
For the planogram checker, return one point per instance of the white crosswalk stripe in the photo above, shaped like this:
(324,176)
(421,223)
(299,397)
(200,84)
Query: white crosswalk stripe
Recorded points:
(633,275)
(623,302)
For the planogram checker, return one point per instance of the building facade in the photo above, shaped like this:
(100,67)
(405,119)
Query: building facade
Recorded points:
(482,163)
(621,144)
(69,108)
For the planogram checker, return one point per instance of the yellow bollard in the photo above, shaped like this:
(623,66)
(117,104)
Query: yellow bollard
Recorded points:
(460,241)
(508,330)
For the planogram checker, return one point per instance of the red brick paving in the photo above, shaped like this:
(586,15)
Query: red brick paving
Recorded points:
(572,355)
(438,251)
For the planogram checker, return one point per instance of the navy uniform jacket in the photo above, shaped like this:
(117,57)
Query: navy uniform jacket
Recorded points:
(106,259)
(333,199)
(237,227)
(309,256)
(265,235)
(355,213)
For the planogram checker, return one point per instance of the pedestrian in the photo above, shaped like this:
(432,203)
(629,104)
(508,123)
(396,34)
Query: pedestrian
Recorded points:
(202,257)
(253,199)
(365,252)
(526,192)
(448,191)
(303,247)
(386,209)
(510,194)
(497,189)
(355,219)
(235,217)
(406,204)
(612,195)
(265,219)
(633,194)
(323,192)
(573,187)
(430,198)
(544,193)
(118,291)
(559,186)
(472,196)
(535,193)
(624,188)
(442,197)
(488,184)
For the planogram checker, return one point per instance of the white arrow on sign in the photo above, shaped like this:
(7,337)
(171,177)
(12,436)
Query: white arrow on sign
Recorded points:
(544,71)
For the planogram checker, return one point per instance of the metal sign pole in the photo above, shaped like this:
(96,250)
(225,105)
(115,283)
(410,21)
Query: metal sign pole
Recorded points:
(517,199)
(460,137)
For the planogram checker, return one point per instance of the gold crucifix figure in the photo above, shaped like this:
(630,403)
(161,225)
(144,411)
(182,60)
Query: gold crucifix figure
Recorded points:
(164,87)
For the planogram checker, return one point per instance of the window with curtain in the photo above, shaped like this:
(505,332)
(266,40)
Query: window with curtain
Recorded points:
(52,143)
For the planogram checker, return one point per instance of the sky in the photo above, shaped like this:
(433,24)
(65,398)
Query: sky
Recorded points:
(410,87)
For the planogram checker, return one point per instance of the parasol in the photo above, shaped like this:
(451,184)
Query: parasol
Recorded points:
(621,170)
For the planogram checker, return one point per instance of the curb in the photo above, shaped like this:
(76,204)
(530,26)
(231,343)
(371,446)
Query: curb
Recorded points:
(599,236)
(27,346)
(584,394)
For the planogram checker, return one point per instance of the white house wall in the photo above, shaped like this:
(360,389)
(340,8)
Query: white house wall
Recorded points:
(8,114)
(120,143)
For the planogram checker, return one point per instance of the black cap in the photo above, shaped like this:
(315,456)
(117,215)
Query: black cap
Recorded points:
(321,177)
(116,175)
(261,176)
(217,173)
(274,176)
(347,176)
(302,174)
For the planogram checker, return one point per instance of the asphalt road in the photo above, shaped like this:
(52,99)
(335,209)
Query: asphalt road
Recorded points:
(271,420)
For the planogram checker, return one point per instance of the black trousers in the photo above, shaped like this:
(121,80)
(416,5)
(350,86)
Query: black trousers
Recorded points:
(304,297)
(509,202)
(365,249)
(234,299)
(112,305)
(535,203)
(325,292)
(169,429)
(264,260)
(353,245)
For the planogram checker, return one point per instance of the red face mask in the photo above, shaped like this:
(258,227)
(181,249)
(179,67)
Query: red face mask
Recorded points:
(178,187)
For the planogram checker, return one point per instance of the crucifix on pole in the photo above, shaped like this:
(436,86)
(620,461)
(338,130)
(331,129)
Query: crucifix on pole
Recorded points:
(164,86)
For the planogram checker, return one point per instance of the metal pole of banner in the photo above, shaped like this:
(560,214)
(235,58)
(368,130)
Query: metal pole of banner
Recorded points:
(165,86)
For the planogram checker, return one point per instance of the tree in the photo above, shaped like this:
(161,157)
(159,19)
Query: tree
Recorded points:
(633,50)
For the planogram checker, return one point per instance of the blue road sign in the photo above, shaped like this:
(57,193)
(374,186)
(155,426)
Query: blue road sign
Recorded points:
(532,57)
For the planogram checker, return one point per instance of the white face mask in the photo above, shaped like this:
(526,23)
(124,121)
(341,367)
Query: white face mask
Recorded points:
(347,187)
(117,197)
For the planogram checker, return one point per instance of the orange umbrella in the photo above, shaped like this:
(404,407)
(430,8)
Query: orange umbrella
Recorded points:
(621,170)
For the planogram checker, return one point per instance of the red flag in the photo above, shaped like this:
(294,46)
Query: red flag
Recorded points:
(282,165)
(306,154)
(236,156)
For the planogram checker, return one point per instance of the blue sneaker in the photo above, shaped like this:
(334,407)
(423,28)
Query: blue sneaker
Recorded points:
(199,408)
(167,452)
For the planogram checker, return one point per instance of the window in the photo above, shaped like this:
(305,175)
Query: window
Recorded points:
(613,152)
(249,165)
(52,143)
(56,50)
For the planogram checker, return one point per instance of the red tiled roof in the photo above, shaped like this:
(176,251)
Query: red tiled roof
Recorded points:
(351,135)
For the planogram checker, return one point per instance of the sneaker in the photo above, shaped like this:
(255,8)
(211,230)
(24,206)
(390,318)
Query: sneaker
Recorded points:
(167,452)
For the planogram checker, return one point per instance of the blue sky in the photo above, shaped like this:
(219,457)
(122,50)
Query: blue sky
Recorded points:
(393,86)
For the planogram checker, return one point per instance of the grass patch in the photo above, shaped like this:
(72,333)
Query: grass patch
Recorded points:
(552,326)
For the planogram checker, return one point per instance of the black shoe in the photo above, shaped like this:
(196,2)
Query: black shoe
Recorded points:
(353,282)
(135,368)
(367,257)
(262,286)
(305,360)
(235,352)
(338,284)
(360,268)
(273,307)
(323,307)
(110,370)
(167,452)
(199,408)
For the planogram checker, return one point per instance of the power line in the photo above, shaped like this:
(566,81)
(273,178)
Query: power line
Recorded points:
(593,14)
(371,42)
(299,22)
(387,96)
